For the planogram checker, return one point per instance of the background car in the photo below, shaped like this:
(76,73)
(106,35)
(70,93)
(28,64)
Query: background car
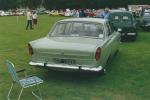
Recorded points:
(2,13)
(84,44)
(145,21)
(54,13)
(125,21)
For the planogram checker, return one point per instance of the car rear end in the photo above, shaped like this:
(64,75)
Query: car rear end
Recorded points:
(125,21)
(72,44)
(146,20)
(70,56)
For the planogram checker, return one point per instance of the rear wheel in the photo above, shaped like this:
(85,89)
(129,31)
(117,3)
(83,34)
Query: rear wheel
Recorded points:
(103,71)
(108,60)
(116,52)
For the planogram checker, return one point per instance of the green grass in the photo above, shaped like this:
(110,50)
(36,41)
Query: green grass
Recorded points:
(127,76)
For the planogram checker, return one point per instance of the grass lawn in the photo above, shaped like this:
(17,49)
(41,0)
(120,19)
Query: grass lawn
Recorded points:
(127,77)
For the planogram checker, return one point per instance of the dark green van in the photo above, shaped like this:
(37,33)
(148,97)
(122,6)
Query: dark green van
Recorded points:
(125,22)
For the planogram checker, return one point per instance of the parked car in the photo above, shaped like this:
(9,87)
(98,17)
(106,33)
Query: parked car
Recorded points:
(54,13)
(68,13)
(146,20)
(125,21)
(84,44)
(2,13)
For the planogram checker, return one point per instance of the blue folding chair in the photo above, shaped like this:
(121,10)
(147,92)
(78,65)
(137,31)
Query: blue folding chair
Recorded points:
(27,81)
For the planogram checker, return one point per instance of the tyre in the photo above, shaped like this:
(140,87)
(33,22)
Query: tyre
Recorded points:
(116,52)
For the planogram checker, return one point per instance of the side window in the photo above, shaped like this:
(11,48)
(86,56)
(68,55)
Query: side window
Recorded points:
(66,32)
(112,27)
(59,29)
(109,30)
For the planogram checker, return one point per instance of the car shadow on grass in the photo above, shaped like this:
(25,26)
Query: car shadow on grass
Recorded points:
(78,76)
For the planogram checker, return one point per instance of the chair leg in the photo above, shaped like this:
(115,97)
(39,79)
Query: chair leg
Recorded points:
(20,93)
(38,97)
(9,91)
(39,91)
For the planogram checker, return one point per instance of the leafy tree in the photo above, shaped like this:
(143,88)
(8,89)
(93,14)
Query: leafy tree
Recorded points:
(63,4)
(30,3)
(9,4)
(57,4)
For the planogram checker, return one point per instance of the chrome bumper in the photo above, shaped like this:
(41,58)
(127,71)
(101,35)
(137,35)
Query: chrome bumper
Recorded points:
(58,66)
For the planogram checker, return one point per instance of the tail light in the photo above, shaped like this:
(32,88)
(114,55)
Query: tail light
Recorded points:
(98,54)
(30,49)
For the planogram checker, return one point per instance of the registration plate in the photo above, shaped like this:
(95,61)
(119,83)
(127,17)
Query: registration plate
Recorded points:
(131,33)
(64,61)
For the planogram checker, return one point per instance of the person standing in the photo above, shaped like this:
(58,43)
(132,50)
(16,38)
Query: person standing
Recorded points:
(34,16)
(82,13)
(105,14)
(29,19)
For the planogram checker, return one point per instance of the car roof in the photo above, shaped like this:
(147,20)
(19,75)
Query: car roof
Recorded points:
(97,20)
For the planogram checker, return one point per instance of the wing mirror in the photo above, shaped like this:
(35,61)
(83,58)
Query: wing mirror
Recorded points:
(119,30)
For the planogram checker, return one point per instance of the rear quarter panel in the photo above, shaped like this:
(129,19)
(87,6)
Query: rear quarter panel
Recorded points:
(109,47)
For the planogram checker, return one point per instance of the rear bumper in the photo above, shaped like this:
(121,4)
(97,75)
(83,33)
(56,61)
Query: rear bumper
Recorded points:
(67,67)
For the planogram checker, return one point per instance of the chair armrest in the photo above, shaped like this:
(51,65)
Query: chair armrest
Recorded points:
(21,70)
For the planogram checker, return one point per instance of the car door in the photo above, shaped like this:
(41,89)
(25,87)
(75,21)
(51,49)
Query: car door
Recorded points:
(113,37)
(106,49)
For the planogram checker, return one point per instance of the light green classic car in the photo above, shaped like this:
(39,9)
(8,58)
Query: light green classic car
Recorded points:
(84,44)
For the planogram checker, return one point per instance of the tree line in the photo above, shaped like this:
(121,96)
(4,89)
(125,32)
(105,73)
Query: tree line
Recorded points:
(63,4)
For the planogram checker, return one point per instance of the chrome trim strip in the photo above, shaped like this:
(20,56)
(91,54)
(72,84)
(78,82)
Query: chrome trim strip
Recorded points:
(68,67)
(34,64)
